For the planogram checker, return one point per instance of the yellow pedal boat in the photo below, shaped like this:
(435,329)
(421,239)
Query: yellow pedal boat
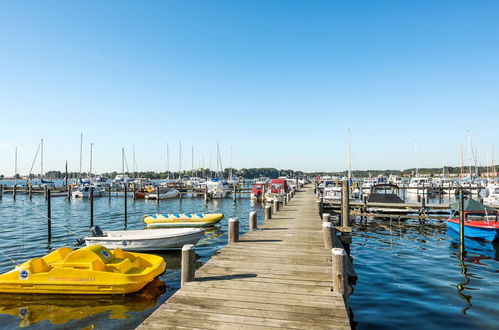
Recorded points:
(90,270)
(182,220)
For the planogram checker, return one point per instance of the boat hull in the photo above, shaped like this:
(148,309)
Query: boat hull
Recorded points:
(130,243)
(488,234)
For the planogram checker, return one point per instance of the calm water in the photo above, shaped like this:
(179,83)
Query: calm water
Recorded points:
(410,275)
(413,276)
(23,235)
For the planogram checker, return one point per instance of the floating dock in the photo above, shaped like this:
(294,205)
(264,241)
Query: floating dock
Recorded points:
(279,276)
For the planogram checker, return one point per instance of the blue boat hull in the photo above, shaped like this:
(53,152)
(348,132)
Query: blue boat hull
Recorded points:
(488,234)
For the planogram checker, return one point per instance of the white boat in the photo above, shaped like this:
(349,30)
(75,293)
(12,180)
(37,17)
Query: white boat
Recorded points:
(217,188)
(167,193)
(84,192)
(332,190)
(145,240)
(491,196)
(419,183)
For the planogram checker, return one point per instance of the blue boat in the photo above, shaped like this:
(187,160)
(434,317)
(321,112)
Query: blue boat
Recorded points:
(480,221)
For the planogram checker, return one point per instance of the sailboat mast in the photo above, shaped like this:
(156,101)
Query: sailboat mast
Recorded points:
(66,176)
(493,161)
(180,160)
(462,161)
(123,163)
(417,158)
(15,167)
(41,162)
(90,171)
(349,156)
(81,150)
(192,160)
(469,153)
(134,163)
(168,161)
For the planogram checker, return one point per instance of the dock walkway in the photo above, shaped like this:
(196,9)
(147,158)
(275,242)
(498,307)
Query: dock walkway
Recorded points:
(279,276)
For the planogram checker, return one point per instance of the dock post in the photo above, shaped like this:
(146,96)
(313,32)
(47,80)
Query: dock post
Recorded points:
(345,204)
(45,192)
(233,230)
(321,206)
(134,191)
(49,216)
(461,219)
(126,206)
(252,221)
(327,232)
(285,199)
(276,206)
(268,212)
(91,200)
(1,192)
(30,191)
(14,191)
(157,194)
(187,267)
(340,278)
(325,217)
(69,193)
(234,194)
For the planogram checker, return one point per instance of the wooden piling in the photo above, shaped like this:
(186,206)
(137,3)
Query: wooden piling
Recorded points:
(14,191)
(69,193)
(321,206)
(125,201)
(187,266)
(45,189)
(327,234)
(91,200)
(345,204)
(461,218)
(1,191)
(285,200)
(252,221)
(233,230)
(157,194)
(134,191)
(325,217)
(276,206)
(49,216)
(268,212)
(340,275)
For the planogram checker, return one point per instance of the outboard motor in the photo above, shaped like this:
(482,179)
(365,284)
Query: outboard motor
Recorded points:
(95,231)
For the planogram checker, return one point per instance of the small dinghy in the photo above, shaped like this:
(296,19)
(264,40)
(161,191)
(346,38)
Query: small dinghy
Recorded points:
(182,219)
(90,270)
(480,221)
(145,240)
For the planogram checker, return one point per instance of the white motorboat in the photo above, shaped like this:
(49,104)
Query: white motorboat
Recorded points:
(164,193)
(491,195)
(145,240)
(332,190)
(217,188)
(84,192)
(419,183)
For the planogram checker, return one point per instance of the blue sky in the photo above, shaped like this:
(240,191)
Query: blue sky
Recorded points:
(279,81)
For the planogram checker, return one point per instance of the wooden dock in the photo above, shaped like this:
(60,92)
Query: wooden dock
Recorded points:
(279,276)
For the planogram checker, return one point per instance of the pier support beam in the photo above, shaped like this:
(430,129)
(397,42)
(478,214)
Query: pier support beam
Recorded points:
(327,231)
(233,230)
(268,212)
(340,275)
(187,267)
(252,221)
(345,204)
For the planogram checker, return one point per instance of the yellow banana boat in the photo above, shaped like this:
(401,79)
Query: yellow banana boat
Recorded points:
(90,270)
(182,219)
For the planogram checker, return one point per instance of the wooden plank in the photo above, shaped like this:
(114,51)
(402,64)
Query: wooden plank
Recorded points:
(279,276)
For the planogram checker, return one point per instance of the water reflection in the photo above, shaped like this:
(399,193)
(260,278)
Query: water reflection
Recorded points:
(57,309)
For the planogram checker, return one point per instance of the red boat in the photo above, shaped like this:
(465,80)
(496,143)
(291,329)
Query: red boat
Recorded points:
(277,189)
(480,221)
(257,191)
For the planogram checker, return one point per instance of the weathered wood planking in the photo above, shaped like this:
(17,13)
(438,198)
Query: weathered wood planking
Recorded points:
(276,277)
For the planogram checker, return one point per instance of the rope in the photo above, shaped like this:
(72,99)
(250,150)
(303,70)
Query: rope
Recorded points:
(44,216)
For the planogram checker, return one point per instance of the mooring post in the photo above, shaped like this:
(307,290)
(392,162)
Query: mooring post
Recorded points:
(1,191)
(268,212)
(340,275)
(187,264)
(134,191)
(91,200)
(234,194)
(276,206)
(252,221)
(285,199)
(49,216)
(126,206)
(345,204)
(327,234)
(30,191)
(321,206)
(461,219)
(233,230)
(14,191)
(325,217)
(157,194)
(69,193)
